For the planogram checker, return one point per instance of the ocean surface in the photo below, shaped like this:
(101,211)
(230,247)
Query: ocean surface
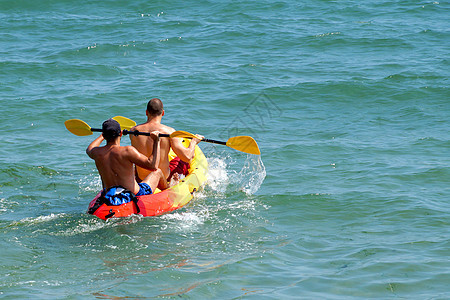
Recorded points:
(349,102)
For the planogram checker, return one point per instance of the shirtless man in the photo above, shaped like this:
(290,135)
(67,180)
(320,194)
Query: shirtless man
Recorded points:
(144,144)
(115,162)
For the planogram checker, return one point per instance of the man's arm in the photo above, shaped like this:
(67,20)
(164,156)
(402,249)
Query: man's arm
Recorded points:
(185,154)
(155,152)
(95,143)
(151,162)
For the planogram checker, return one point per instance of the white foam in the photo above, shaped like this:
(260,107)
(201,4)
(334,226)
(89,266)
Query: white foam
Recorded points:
(40,219)
(222,174)
(218,179)
(186,219)
(83,228)
(3,204)
(90,183)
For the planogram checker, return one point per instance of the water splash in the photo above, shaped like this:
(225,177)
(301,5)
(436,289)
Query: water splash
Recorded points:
(218,178)
(252,174)
(225,174)
(90,183)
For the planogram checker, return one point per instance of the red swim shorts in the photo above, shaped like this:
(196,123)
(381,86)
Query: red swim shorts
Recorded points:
(176,165)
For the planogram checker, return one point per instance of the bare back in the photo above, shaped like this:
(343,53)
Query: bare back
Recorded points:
(144,145)
(115,165)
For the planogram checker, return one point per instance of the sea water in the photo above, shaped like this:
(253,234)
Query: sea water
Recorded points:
(348,101)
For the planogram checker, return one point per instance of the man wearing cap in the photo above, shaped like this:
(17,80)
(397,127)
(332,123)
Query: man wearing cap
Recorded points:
(180,164)
(115,163)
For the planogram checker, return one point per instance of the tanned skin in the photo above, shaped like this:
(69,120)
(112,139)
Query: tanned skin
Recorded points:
(145,144)
(115,163)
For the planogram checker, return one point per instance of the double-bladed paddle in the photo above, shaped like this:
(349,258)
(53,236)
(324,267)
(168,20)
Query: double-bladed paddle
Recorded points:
(241,143)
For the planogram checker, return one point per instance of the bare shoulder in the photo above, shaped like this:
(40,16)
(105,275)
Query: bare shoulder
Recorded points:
(166,129)
(93,152)
(129,149)
(149,127)
(138,127)
(142,128)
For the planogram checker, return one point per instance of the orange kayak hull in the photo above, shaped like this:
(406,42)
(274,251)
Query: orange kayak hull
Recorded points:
(160,202)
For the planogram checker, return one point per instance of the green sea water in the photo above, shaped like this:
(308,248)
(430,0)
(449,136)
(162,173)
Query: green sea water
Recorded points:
(349,102)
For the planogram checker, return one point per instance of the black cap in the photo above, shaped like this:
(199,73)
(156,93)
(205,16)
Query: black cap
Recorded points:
(111,129)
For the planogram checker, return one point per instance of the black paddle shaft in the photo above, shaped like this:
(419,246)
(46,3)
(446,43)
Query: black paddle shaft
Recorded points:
(210,141)
(214,142)
(136,132)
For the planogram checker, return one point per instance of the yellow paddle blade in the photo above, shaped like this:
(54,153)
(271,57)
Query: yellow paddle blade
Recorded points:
(182,134)
(125,123)
(245,144)
(78,127)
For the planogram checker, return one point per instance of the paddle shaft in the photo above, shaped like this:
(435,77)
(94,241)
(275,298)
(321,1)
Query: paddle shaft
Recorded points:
(187,135)
(136,132)
(214,142)
(125,132)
